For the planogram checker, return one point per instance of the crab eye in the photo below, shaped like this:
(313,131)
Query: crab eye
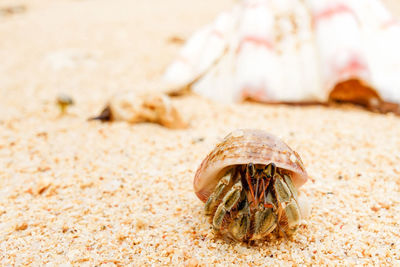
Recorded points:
(270,170)
(251,169)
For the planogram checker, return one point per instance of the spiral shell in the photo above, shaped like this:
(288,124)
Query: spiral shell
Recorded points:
(242,147)
(349,48)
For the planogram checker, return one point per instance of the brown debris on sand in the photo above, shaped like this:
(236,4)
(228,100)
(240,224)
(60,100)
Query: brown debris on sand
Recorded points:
(143,107)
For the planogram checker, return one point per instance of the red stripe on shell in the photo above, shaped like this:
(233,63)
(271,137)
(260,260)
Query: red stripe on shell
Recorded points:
(390,23)
(256,40)
(353,67)
(255,93)
(217,34)
(330,12)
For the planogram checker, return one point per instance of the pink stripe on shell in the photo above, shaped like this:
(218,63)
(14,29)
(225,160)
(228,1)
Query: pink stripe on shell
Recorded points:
(258,41)
(332,11)
(352,67)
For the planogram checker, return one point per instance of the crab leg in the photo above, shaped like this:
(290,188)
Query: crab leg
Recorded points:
(282,191)
(265,222)
(291,186)
(293,217)
(239,227)
(286,196)
(228,202)
(265,219)
(256,194)
(212,200)
(250,168)
(263,194)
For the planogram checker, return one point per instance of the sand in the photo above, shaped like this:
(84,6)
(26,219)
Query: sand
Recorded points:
(75,192)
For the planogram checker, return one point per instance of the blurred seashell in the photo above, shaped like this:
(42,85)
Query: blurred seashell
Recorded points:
(137,107)
(295,51)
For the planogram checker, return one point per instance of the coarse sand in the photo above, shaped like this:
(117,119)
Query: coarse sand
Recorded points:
(75,192)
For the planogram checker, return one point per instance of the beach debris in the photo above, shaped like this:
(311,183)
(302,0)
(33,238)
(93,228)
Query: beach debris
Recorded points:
(105,115)
(198,140)
(249,183)
(11,10)
(136,107)
(63,102)
(175,39)
(21,227)
(295,51)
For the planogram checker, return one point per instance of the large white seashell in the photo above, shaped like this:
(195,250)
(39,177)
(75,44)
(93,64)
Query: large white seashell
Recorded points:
(294,51)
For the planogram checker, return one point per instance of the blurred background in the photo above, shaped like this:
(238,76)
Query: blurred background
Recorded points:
(91,49)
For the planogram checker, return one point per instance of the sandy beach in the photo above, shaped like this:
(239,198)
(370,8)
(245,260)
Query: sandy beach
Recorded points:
(78,192)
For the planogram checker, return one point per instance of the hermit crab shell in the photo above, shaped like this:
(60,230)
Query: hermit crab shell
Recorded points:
(243,147)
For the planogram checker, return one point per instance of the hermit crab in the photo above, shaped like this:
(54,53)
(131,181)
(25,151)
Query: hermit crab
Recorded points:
(249,184)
